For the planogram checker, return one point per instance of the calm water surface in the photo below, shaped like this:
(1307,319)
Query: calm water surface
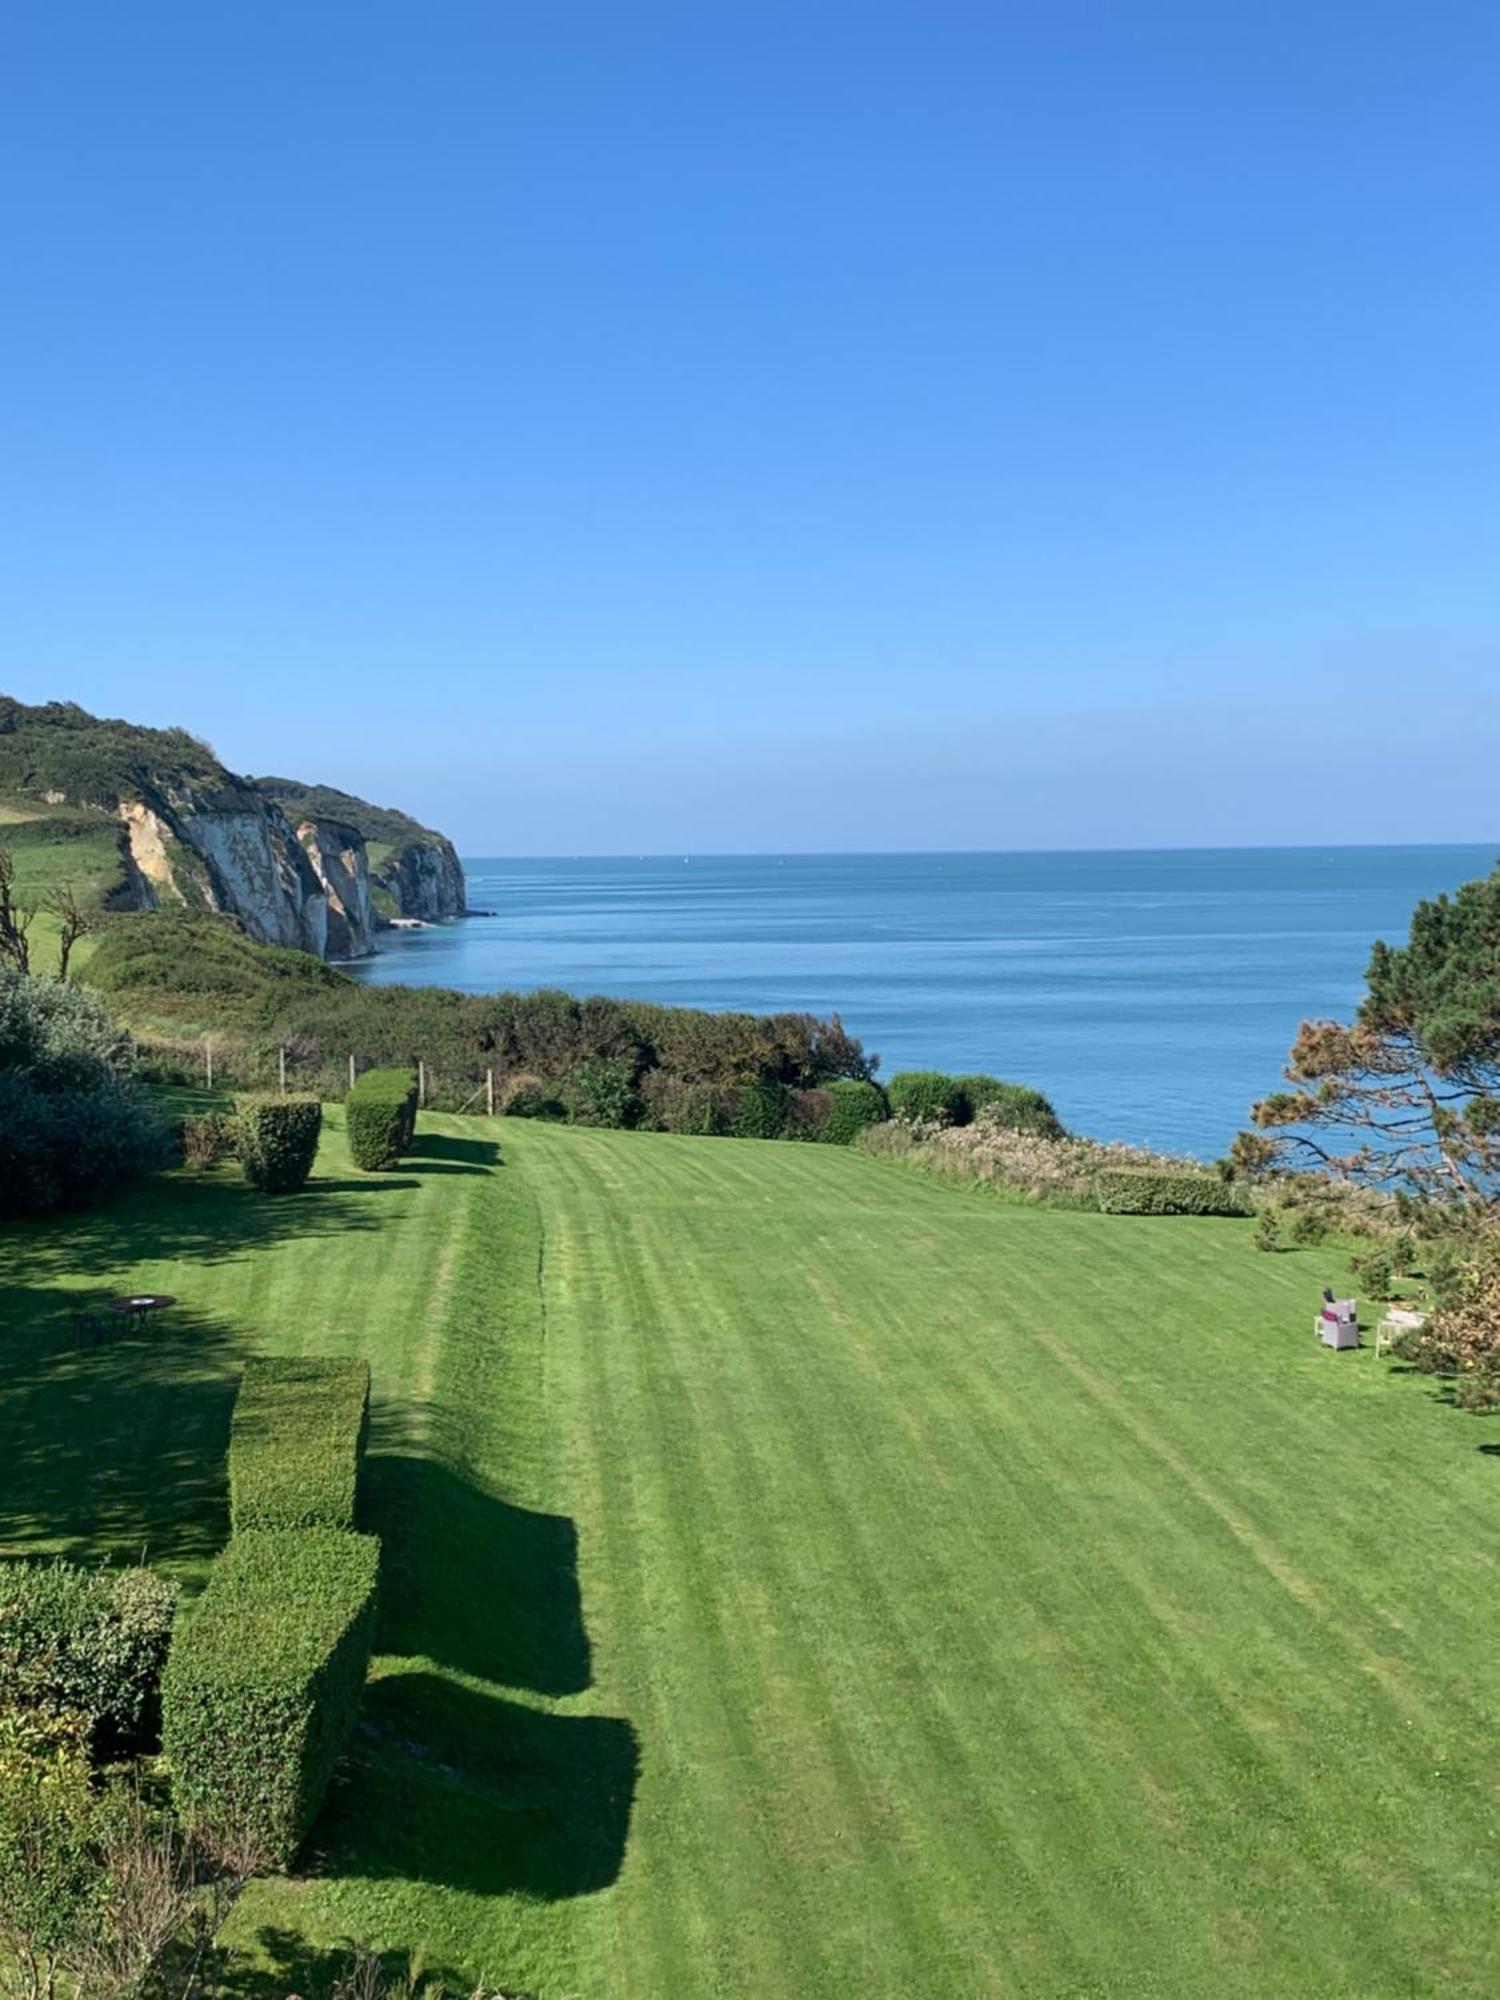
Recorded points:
(1151,995)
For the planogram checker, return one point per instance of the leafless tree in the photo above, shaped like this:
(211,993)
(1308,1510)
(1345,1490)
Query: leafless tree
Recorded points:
(16,916)
(73,921)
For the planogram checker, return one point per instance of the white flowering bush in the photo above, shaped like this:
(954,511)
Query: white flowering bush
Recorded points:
(1058,1172)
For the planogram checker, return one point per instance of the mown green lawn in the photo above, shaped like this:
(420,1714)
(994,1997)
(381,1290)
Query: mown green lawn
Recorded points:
(807,1579)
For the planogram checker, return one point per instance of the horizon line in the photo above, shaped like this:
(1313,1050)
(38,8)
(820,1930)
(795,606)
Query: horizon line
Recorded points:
(941,853)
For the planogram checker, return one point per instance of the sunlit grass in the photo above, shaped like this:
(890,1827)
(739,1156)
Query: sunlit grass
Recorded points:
(806,1579)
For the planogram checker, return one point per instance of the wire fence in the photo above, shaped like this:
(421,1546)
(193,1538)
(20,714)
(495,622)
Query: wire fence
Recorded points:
(285,1067)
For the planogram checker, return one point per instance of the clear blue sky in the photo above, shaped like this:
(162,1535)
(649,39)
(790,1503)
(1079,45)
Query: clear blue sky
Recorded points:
(625,427)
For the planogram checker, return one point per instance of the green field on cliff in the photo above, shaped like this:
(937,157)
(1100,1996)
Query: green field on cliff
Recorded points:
(806,1579)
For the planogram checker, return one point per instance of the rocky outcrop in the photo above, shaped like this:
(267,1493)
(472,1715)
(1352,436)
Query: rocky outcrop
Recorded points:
(423,879)
(414,872)
(227,850)
(294,864)
(336,853)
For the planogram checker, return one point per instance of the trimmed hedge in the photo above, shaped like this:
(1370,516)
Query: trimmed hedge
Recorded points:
(263,1685)
(1143,1191)
(277,1140)
(380,1115)
(926,1095)
(296,1442)
(852,1107)
(1013,1107)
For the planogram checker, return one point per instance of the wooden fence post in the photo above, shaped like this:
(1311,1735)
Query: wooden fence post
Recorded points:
(208,1058)
(489,1092)
(351,1069)
(281,1061)
(421,1082)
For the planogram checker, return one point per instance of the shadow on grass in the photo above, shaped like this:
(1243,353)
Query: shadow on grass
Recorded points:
(209,1218)
(119,1449)
(460,1783)
(375,1184)
(455,1786)
(434,1154)
(472,1582)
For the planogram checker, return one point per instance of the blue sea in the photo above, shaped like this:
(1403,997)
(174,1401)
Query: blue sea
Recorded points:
(1151,995)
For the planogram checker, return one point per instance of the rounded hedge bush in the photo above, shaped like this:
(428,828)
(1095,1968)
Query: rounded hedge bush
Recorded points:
(854,1106)
(926,1095)
(277,1140)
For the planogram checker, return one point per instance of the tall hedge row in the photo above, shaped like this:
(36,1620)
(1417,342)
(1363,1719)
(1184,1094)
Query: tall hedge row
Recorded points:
(263,1685)
(380,1116)
(296,1442)
(1146,1191)
(276,1139)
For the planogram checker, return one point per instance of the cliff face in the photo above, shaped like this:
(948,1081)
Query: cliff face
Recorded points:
(336,854)
(424,879)
(290,862)
(228,851)
(414,872)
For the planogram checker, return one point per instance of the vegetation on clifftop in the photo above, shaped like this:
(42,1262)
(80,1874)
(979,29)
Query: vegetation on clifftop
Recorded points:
(383,824)
(177,979)
(56,746)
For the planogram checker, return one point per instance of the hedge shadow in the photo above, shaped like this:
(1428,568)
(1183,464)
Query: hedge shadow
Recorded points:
(451,1785)
(473,1582)
(434,1153)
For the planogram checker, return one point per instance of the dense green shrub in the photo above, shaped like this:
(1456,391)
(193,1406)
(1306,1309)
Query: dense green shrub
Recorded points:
(159,965)
(602,1091)
(672,1104)
(1012,1107)
(1405,1252)
(263,1685)
(90,1643)
(1373,1269)
(50,1886)
(1307,1226)
(73,1124)
(296,1442)
(1143,1191)
(277,1140)
(762,1110)
(926,1097)
(854,1104)
(380,1116)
